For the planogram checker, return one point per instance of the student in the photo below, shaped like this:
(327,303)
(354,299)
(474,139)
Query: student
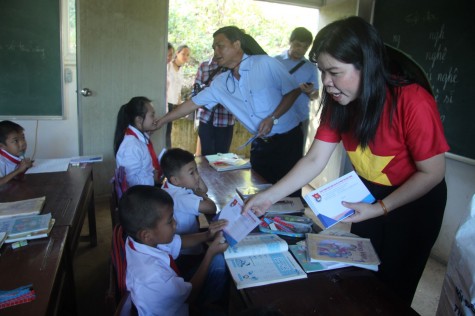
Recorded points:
(188,190)
(392,132)
(155,284)
(304,72)
(132,145)
(175,81)
(12,151)
(259,92)
(216,126)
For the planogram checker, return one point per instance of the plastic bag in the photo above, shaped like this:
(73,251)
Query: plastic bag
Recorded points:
(458,291)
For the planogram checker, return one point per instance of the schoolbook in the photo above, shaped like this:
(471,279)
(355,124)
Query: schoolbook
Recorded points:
(227,162)
(299,251)
(29,236)
(261,259)
(27,227)
(22,207)
(325,201)
(352,250)
(239,225)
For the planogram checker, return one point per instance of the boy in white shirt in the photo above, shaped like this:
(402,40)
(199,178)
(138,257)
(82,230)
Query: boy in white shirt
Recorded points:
(12,149)
(188,190)
(146,214)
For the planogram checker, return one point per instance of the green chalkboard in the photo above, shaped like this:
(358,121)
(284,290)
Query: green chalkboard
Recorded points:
(30,58)
(440,36)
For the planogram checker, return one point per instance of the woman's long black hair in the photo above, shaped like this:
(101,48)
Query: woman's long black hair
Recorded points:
(354,41)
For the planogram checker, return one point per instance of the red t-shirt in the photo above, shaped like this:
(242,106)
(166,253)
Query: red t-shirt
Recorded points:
(415,134)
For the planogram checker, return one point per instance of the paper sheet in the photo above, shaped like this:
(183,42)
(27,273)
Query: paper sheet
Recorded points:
(49,165)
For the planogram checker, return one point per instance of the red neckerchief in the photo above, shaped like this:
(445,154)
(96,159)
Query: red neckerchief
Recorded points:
(153,155)
(13,159)
(172,262)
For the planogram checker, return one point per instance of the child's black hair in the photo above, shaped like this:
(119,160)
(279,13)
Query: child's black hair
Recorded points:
(137,106)
(8,127)
(173,160)
(141,207)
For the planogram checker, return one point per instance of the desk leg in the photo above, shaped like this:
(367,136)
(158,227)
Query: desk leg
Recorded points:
(91,214)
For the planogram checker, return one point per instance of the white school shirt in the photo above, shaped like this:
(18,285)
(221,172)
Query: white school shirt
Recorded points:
(255,96)
(7,166)
(175,81)
(306,73)
(154,286)
(134,156)
(186,212)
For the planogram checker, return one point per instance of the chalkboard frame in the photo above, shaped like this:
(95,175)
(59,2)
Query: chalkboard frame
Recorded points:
(31,83)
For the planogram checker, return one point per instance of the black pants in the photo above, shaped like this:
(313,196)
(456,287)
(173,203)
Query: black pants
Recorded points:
(215,139)
(168,134)
(273,157)
(404,238)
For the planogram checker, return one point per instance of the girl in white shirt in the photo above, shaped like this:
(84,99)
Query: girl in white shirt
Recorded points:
(132,146)
(175,82)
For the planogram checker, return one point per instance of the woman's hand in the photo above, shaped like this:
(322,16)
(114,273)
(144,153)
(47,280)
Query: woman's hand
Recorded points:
(363,211)
(258,204)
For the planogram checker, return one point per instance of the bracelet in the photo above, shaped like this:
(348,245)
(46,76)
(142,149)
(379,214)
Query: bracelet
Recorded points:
(385,210)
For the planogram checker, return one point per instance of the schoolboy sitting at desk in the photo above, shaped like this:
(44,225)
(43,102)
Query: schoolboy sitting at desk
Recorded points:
(187,188)
(12,148)
(146,214)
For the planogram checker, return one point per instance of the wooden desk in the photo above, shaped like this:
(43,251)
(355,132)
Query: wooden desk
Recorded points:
(41,263)
(69,197)
(347,291)
(222,185)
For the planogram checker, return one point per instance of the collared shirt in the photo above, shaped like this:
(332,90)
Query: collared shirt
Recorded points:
(134,156)
(220,116)
(154,286)
(174,84)
(308,72)
(186,211)
(263,83)
(7,166)
(185,208)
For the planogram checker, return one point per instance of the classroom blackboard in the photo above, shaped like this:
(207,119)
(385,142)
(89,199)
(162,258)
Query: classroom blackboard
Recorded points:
(30,59)
(440,36)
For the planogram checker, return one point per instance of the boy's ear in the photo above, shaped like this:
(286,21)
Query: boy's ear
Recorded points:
(174,180)
(143,235)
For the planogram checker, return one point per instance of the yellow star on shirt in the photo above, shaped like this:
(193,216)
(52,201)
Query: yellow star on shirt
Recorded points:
(370,166)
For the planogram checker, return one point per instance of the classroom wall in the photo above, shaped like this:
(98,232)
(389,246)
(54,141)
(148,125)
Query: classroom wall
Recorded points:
(59,138)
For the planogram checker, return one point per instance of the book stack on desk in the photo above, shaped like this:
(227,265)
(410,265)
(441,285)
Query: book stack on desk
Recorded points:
(227,162)
(27,227)
(333,251)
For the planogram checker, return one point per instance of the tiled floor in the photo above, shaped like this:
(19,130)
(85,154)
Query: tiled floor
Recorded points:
(91,273)
(428,291)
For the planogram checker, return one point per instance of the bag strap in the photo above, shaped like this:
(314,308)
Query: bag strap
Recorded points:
(296,67)
(211,76)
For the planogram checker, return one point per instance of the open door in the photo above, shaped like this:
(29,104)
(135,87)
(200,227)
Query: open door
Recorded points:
(122,48)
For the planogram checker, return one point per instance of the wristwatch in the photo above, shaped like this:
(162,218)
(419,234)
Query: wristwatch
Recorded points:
(275,120)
